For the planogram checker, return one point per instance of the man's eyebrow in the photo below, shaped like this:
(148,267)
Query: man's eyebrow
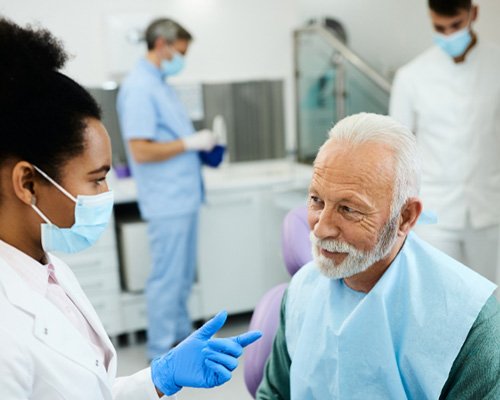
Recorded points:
(104,168)
(457,21)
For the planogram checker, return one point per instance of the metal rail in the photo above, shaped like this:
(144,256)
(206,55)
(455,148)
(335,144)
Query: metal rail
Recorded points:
(348,54)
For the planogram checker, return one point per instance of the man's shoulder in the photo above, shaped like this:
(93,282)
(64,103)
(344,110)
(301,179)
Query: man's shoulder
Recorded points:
(437,263)
(490,51)
(485,332)
(490,314)
(140,77)
(138,80)
(475,372)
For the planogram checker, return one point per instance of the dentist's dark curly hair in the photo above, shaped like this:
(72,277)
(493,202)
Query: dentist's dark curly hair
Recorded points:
(42,111)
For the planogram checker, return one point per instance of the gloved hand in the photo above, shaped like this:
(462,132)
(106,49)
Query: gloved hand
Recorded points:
(201,140)
(200,361)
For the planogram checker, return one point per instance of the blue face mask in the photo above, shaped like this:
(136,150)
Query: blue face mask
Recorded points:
(92,215)
(455,44)
(173,66)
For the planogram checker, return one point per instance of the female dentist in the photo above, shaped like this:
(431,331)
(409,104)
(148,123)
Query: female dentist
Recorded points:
(54,157)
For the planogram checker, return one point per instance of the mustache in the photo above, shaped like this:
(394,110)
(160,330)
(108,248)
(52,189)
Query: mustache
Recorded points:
(335,246)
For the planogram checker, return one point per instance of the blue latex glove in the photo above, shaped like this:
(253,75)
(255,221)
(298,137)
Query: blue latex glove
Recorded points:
(200,361)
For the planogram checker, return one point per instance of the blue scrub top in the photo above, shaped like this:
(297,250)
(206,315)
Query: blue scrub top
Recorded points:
(148,108)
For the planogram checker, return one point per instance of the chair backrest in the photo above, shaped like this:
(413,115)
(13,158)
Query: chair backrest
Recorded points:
(266,319)
(295,243)
(296,249)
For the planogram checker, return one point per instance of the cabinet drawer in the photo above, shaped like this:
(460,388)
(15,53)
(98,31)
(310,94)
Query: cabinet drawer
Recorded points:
(134,312)
(90,263)
(107,308)
(134,309)
(112,323)
(107,283)
(105,303)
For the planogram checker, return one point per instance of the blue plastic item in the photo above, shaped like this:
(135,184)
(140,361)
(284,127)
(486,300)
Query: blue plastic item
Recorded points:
(200,361)
(214,157)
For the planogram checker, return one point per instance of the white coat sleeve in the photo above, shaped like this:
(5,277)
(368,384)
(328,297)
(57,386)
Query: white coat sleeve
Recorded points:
(138,386)
(402,102)
(16,369)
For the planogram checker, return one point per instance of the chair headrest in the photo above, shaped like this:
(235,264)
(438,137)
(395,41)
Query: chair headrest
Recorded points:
(295,243)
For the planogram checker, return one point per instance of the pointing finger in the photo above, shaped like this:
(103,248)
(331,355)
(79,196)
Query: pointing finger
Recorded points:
(248,338)
(211,327)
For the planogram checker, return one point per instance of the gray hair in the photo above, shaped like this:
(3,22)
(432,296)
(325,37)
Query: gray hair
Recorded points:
(366,127)
(167,29)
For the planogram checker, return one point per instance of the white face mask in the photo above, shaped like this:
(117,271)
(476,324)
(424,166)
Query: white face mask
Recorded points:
(92,215)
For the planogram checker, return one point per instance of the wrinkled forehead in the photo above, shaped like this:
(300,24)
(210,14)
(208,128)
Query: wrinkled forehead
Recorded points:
(369,167)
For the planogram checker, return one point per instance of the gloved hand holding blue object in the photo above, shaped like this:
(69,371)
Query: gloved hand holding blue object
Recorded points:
(200,361)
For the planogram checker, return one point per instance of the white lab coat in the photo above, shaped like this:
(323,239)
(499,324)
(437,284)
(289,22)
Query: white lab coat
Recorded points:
(44,357)
(454,110)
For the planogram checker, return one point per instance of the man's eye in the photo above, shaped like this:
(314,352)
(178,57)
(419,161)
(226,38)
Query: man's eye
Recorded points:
(314,199)
(347,210)
(100,181)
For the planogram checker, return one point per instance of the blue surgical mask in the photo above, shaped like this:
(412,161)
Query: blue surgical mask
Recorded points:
(92,215)
(455,44)
(173,66)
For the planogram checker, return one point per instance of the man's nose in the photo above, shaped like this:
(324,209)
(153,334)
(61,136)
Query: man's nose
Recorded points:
(325,225)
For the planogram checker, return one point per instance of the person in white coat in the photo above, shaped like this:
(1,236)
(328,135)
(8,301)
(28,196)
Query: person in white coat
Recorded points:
(450,97)
(54,157)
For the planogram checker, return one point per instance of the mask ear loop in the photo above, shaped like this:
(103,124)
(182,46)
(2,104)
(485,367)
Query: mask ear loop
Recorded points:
(64,191)
(37,210)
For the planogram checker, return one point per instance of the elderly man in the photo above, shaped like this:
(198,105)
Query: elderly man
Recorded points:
(379,313)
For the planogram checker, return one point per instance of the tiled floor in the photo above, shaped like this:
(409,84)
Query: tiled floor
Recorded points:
(133,358)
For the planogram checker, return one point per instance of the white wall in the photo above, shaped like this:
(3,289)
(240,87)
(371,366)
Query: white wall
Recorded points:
(234,39)
(388,33)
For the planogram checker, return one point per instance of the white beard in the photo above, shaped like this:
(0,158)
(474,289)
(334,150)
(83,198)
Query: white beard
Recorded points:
(356,260)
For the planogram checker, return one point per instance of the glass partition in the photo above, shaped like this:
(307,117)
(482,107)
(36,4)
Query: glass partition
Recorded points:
(316,102)
(362,94)
(331,82)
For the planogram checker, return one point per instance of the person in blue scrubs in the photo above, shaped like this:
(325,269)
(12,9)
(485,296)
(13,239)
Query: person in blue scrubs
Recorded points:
(163,153)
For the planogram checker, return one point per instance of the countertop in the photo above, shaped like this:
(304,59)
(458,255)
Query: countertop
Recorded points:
(232,176)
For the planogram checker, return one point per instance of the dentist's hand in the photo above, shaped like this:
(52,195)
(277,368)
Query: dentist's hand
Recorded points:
(201,140)
(200,361)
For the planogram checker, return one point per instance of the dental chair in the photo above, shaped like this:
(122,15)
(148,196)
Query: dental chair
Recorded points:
(296,250)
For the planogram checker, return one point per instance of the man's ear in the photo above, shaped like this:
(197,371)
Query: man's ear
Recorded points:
(475,12)
(409,215)
(160,42)
(24,182)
